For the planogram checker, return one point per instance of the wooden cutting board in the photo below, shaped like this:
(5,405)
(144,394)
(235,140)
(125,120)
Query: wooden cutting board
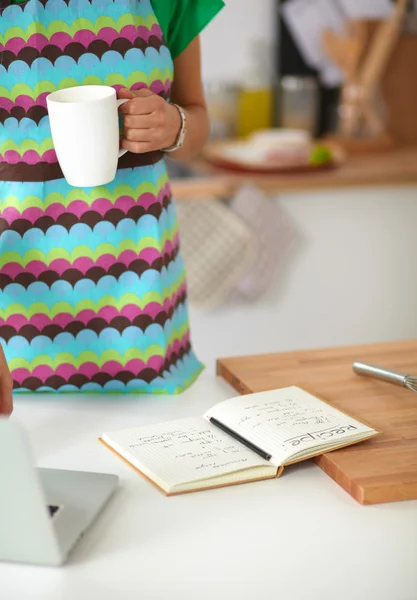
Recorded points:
(381,470)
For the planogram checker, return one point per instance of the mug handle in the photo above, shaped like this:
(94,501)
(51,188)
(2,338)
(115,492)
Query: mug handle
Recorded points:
(122,151)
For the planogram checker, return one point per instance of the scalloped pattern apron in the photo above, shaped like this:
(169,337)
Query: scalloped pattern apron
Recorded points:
(93,293)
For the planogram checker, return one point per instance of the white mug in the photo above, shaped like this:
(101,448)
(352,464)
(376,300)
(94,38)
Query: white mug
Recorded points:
(85,131)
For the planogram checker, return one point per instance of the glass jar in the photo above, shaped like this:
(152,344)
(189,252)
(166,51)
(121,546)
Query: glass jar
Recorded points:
(221,101)
(299,104)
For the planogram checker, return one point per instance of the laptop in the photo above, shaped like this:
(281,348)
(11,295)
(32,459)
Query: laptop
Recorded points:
(43,512)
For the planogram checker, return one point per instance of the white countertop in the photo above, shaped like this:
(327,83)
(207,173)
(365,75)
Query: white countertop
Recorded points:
(297,538)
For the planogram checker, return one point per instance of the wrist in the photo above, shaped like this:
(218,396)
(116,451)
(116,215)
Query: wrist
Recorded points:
(175,123)
(180,129)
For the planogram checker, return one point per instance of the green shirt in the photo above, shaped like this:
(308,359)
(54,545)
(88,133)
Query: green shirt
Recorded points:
(181,20)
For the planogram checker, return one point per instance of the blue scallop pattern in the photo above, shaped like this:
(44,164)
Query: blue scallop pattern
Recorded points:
(178,376)
(87,340)
(57,10)
(66,67)
(133,179)
(107,287)
(81,234)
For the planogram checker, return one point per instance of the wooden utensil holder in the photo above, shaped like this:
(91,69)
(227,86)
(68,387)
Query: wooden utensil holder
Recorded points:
(397,86)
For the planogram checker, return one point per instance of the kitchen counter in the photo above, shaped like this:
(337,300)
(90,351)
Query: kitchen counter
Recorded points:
(300,537)
(397,167)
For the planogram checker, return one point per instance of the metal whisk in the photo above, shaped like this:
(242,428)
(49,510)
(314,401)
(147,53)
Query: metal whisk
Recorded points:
(395,377)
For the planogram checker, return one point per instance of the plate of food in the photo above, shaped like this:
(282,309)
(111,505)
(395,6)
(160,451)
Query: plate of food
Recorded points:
(275,151)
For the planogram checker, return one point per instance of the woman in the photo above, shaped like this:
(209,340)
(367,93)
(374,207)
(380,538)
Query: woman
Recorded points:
(92,288)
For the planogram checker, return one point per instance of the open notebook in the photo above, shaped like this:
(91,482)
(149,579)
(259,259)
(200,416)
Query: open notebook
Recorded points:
(244,439)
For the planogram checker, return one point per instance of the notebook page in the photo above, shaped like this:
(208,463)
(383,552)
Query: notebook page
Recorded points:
(285,422)
(182,451)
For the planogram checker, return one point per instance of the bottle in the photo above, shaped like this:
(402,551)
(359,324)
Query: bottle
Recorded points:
(299,104)
(256,96)
(221,103)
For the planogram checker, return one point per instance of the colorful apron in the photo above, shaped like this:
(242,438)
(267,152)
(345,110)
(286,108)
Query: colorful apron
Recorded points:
(92,286)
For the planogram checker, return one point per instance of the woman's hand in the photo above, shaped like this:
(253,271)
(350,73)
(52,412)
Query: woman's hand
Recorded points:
(149,122)
(6,386)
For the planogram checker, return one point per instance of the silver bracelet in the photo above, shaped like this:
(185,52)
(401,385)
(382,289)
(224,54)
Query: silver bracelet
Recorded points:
(179,143)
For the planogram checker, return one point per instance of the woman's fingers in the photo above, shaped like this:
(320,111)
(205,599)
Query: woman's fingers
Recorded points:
(142,102)
(143,140)
(150,121)
(6,387)
(6,398)
(139,147)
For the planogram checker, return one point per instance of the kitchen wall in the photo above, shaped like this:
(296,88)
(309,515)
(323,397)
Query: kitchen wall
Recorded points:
(226,41)
(351,281)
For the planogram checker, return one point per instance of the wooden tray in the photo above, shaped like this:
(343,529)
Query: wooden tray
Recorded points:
(215,154)
(381,470)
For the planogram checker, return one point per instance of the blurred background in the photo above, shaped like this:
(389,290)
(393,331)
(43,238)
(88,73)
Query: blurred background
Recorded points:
(299,219)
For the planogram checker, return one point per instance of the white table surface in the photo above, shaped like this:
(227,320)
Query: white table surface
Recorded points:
(297,538)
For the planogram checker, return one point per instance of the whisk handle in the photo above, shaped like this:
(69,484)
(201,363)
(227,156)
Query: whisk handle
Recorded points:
(378,373)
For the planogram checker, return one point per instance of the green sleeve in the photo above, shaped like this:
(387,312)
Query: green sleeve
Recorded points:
(183,20)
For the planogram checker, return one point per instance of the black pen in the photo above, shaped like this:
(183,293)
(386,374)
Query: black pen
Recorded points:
(240,439)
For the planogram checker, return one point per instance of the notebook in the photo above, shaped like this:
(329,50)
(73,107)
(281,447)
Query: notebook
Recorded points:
(245,439)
